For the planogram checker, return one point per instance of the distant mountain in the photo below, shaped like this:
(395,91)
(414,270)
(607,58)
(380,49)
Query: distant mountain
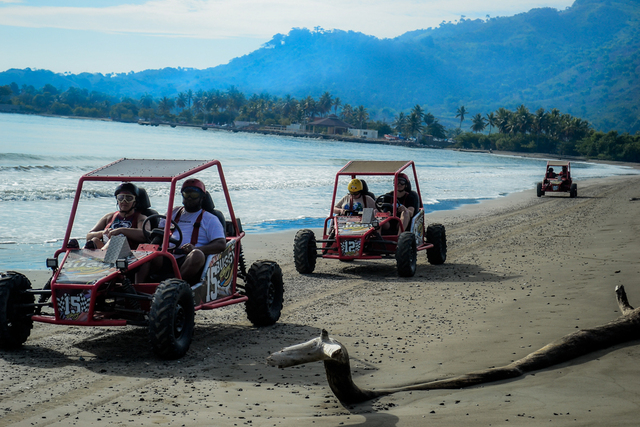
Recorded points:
(584,60)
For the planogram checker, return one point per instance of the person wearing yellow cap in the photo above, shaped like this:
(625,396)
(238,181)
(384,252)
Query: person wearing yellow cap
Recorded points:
(355,201)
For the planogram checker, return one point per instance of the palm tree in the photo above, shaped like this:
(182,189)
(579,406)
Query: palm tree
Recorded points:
(189,98)
(460,113)
(309,106)
(165,105)
(235,99)
(347,113)
(491,121)
(478,123)
(361,115)
(554,123)
(419,111)
(324,103)
(146,100)
(181,101)
(199,103)
(400,122)
(436,130)
(502,119)
(524,120)
(286,106)
(428,119)
(336,104)
(414,124)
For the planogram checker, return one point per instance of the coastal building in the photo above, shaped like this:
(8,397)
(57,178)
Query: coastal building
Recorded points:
(364,133)
(331,124)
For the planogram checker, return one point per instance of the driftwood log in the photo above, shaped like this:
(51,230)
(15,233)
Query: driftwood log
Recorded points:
(336,358)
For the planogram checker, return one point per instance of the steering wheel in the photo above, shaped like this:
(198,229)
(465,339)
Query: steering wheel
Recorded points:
(382,205)
(159,232)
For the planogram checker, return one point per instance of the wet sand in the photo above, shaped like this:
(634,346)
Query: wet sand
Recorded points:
(521,272)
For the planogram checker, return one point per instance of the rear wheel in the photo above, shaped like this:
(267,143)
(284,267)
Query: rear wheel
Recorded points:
(171,319)
(574,191)
(406,254)
(15,312)
(437,236)
(305,251)
(539,190)
(265,293)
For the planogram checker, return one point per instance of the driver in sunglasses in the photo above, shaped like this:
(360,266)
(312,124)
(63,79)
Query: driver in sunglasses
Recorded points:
(126,220)
(201,230)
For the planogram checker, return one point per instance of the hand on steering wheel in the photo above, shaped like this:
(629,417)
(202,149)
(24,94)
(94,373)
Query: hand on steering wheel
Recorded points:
(382,205)
(159,232)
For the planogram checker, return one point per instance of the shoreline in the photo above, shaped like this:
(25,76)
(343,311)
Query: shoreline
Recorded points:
(521,272)
(463,211)
(380,141)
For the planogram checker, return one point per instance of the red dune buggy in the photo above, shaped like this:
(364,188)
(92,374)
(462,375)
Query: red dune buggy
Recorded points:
(557,180)
(376,232)
(93,287)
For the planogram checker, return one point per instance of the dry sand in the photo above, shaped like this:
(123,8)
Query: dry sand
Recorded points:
(521,272)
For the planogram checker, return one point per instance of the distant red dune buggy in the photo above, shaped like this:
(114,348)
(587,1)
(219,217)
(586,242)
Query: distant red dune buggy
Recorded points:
(94,287)
(374,232)
(557,180)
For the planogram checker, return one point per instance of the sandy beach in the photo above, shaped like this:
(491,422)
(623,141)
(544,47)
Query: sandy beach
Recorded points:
(521,272)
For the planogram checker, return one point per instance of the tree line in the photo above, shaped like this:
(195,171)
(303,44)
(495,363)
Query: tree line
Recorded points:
(520,130)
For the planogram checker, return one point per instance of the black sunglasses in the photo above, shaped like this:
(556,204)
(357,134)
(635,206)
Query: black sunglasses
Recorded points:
(193,194)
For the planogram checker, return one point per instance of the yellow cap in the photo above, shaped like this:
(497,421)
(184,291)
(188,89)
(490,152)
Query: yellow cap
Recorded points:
(355,186)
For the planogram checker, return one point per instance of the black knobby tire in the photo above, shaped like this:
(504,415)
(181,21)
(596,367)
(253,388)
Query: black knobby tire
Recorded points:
(171,319)
(15,320)
(305,251)
(437,236)
(265,292)
(574,191)
(539,191)
(406,254)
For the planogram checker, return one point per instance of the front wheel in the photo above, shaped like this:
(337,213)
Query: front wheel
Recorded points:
(265,293)
(305,251)
(574,191)
(15,310)
(437,236)
(171,319)
(539,192)
(406,254)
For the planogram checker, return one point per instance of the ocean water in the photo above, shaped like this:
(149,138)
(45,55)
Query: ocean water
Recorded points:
(276,183)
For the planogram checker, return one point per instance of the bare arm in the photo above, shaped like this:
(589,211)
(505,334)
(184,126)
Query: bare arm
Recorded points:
(214,247)
(98,229)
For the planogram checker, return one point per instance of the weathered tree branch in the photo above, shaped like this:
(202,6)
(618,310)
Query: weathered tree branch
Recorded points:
(336,358)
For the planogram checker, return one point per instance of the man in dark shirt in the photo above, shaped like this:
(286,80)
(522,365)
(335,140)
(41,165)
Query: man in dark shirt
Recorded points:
(408,201)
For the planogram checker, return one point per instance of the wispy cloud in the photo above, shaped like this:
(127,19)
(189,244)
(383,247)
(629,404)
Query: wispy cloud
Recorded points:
(217,19)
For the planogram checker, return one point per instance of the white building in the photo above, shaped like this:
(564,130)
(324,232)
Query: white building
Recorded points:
(364,133)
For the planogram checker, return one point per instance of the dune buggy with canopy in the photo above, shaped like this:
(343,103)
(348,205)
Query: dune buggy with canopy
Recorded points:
(557,180)
(376,232)
(97,287)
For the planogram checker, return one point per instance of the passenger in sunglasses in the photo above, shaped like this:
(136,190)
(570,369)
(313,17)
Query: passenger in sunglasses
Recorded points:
(407,202)
(126,220)
(202,232)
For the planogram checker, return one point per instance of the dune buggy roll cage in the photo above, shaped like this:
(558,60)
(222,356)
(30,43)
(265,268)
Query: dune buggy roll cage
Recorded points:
(149,170)
(357,168)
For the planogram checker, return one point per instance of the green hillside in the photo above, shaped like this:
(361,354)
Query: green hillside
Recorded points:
(584,61)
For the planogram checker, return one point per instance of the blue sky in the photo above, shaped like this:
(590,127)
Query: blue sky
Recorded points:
(134,35)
